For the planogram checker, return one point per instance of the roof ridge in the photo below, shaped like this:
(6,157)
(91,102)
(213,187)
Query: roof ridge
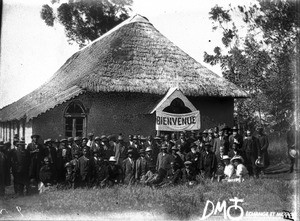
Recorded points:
(132,19)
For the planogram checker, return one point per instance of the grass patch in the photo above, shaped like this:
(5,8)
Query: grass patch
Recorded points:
(180,202)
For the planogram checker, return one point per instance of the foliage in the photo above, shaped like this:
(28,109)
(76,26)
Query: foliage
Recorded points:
(86,20)
(260,61)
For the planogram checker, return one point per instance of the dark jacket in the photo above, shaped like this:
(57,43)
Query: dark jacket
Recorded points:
(251,146)
(141,167)
(129,170)
(208,164)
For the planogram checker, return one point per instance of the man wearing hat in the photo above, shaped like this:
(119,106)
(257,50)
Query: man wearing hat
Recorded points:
(183,142)
(210,137)
(164,160)
(91,141)
(120,150)
(115,172)
(205,136)
(252,152)
(85,168)
(106,150)
(264,145)
(20,168)
(3,171)
(194,157)
(176,158)
(129,168)
(166,141)
(51,154)
(76,146)
(236,138)
(37,154)
(189,172)
(208,162)
(141,167)
(149,157)
(7,151)
(47,173)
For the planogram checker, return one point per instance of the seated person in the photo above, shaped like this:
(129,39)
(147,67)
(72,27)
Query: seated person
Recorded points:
(46,173)
(240,169)
(149,176)
(189,173)
(228,169)
(115,172)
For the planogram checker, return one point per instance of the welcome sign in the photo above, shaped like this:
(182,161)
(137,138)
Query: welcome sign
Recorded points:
(177,122)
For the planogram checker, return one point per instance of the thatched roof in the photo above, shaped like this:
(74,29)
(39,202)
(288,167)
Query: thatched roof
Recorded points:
(132,57)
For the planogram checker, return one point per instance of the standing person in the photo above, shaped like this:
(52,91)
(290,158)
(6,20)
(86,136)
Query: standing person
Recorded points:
(180,152)
(20,168)
(178,162)
(199,143)
(91,141)
(46,173)
(166,141)
(51,153)
(3,165)
(208,162)
(8,154)
(76,146)
(120,150)
(251,150)
(129,168)
(218,142)
(106,150)
(37,155)
(173,139)
(85,168)
(264,145)
(115,173)
(149,142)
(141,167)
(194,157)
(156,148)
(210,137)
(149,158)
(236,138)
(164,161)
(97,145)
(292,148)
(182,141)
(101,175)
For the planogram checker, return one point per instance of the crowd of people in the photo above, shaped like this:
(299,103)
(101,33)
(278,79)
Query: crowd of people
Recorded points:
(220,154)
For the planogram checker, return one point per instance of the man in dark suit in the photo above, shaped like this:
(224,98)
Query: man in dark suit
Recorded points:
(208,162)
(120,150)
(142,167)
(37,154)
(264,145)
(129,168)
(236,138)
(251,149)
(20,168)
(164,160)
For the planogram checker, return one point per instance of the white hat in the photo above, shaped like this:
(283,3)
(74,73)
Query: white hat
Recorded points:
(112,159)
(237,157)
(225,157)
(148,149)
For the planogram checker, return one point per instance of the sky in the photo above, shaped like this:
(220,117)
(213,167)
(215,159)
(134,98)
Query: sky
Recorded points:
(31,52)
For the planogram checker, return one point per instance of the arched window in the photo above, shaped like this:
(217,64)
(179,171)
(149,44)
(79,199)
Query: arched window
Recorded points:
(177,106)
(75,116)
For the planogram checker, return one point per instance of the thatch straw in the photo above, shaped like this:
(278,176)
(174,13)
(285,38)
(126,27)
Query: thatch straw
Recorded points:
(133,57)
